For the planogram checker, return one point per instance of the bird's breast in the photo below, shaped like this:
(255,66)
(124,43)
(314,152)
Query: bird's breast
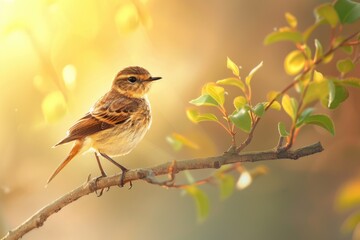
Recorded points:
(124,137)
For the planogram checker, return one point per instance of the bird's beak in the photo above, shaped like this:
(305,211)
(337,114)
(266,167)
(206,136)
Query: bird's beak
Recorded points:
(154,78)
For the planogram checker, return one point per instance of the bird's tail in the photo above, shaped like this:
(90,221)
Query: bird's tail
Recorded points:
(75,150)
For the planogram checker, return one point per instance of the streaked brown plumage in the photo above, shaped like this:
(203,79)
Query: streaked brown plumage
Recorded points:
(116,123)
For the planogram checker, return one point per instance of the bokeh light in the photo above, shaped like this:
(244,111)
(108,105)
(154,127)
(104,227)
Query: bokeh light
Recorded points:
(57,57)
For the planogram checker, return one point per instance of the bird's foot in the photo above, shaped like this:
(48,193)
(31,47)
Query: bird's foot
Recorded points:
(124,170)
(100,193)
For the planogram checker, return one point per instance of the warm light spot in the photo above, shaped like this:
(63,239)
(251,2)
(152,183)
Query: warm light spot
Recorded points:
(69,76)
(127,18)
(244,181)
(54,106)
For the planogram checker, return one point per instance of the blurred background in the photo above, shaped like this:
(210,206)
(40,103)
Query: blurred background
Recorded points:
(57,57)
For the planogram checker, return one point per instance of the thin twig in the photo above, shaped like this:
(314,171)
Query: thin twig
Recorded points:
(90,186)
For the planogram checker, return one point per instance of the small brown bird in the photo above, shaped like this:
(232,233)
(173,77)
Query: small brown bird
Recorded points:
(116,123)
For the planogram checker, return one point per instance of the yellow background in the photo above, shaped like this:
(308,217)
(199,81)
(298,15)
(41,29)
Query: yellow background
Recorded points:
(186,43)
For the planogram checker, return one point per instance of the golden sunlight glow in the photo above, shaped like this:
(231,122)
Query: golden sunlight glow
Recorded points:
(127,18)
(54,106)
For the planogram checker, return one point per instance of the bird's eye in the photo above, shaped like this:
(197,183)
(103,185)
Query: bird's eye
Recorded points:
(132,79)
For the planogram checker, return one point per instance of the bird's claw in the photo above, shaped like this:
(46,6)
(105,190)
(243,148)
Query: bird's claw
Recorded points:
(100,193)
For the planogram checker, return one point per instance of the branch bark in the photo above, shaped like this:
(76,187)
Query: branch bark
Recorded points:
(149,174)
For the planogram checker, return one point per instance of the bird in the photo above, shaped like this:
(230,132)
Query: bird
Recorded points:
(116,123)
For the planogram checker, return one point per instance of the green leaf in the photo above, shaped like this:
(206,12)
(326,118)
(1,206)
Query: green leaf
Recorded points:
(239,102)
(275,105)
(252,72)
(347,49)
(204,100)
(331,92)
(196,117)
(282,130)
(279,36)
(233,67)
(291,19)
(259,109)
(326,11)
(347,10)
(271,96)
(340,95)
(319,52)
(323,121)
(227,185)
(294,62)
(241,119)
(201,201)
(307,112)
(345,65)
(290,106)
(232,82)
(351,82)
(317,90)
(216,92)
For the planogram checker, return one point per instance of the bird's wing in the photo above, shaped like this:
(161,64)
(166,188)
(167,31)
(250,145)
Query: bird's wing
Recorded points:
(107,113)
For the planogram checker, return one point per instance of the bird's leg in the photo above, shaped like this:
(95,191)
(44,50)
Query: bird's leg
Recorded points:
(103,174)
(123,169)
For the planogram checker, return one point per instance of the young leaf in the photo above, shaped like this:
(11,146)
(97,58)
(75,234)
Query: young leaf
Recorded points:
(252,72)
(216,92)
(317,90)
(345,65)
(351,82)
(290,106)
(232,82)
(347,10)
(204,100)
(326,11)
(239,102)
(241,119)
(201,201)
(331,92)
(292,36)
(294,62)
(282,130)
(319,52)
(307,112)
(347,49)
(291,19)
(227,185)
(271,96)
(340,95)
(196,117)
(233,67)
(259,109)
(323,121)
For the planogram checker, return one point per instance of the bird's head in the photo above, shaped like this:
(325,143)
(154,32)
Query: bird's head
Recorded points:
(133,81)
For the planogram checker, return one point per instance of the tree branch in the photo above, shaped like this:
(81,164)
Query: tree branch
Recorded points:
(148,174)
